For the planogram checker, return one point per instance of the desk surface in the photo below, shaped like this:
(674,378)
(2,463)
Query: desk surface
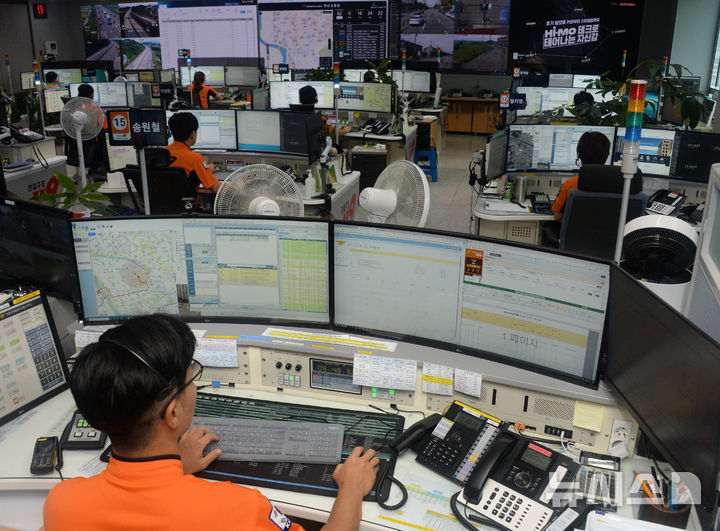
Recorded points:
(483,210)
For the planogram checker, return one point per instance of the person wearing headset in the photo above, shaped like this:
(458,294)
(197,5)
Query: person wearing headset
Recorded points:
(201,93)
(184,127)
(308,96)
(137,384)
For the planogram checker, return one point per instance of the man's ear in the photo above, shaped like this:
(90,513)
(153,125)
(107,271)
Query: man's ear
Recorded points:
(171,418)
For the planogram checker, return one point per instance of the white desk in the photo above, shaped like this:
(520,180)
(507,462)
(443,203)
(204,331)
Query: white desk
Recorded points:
(35,179)
(522,227)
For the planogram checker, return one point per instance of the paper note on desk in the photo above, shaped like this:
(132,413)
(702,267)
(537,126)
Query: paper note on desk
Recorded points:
(506,206)
(216,352)
(380,371)
(84,337)
(588,415)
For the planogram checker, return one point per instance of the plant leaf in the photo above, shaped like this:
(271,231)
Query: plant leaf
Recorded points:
(66,182)
(98,197)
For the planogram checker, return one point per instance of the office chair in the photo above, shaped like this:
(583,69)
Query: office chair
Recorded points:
(170,190)
(590,223)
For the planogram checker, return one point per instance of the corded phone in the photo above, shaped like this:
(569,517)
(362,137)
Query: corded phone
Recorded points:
(665,202)
(541,203)
(375,126)
(25,135)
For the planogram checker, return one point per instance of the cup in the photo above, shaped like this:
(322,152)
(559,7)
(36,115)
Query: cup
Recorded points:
(520,188)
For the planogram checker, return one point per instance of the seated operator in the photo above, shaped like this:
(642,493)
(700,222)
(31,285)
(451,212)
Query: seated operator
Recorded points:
(51,79)
(201,93)
(137,384)
(95,149)
(184,127)
(592,148)
(308,96)
(369,77)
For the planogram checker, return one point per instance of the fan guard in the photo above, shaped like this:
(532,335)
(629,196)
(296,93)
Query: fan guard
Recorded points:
(259,189)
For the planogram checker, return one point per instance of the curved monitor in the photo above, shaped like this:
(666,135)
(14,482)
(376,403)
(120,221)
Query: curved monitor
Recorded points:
(204,268)
(520,305)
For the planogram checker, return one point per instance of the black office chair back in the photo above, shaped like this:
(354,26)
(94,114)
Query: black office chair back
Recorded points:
(592,211)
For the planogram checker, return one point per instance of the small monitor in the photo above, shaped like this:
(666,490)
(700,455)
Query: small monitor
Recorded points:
(495,153)
(27,80)
(261,99)
(275,76)
(167,76)
(146,76)
(37,248)
(656,149)
(214,75)
(141,95)
(693,155)
(217,128)
(414,81)
(293,134)
(120,156)
(34,369)
(258,130)
(549,147)
(242,76)
(131,76)
(368,97)
(67,75)
(105,94)
(582,80)
(54,99)
(354,75)
(285,93)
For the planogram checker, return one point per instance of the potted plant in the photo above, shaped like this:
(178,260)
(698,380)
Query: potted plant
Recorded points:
(80,202)
(383,71)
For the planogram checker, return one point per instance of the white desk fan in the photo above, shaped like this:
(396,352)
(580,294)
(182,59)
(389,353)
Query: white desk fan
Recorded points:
(259,190)
(401,196)
(82,119)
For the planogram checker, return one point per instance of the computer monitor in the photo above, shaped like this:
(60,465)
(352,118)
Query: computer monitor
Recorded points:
(208,268)
(656,149)
(261,99)
(293,133)
(35,368)
(217,128)
(258,130)
(665,370)
(286,93)
(414,81)
(167,75)
(368,97)
(27,80)
(495,154)
(242,76)
(316,139)
(540,99)
(214,75)
(53,99)
(131,76)
(67,75)
(489,299)
(693,155)
(276,76)
(354,75)
(549,147)
(37,248)
(141,95)
(105,94)
(582,80)
(120,156)
(146,76)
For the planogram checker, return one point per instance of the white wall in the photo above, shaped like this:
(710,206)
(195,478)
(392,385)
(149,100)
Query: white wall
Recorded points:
(696,26)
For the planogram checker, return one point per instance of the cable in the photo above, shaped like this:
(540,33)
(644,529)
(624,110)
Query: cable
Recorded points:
(381,481)
(465,520)
(394,406)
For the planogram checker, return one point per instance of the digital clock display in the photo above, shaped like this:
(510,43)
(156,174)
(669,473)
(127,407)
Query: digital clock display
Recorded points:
(333,376)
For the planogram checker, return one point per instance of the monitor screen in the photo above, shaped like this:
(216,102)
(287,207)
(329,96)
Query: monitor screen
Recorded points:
(67,75)
(141,95)
(693,154)
(214,75)
(209,28)
(354,75)
(582,80)
(495,154)
(286,93)
(27,80)
(33,365)
(167,75)
(293,133)
(646,339)
(205,268)
(120,156)
(36,248)
(53,99)
(258,130)
(549,147)
(105,94)
(276,76)
(242,76)
(414,81)
(656,149)
(492,299)
(368,97)
(539,99)
(131,76)
(217,128)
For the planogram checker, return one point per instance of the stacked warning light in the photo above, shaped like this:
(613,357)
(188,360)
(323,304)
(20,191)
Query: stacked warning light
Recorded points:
(336,73)
(36,72)
(404,60)
(633,126)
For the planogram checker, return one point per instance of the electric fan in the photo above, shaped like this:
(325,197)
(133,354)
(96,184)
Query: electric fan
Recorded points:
(259,190)
(82,119)
(401,196)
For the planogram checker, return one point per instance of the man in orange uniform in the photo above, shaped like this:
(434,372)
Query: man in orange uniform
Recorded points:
(137,384)
(184,127)
(200,93)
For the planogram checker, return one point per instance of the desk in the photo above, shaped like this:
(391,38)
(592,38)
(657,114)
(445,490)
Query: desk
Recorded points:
(520,227)
(35,179)
(399,147)
(442,115)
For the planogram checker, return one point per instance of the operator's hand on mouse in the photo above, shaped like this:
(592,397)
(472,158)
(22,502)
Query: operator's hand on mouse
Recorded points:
(191,447)
(358,471)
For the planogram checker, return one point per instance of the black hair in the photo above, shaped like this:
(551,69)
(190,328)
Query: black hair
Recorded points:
(51,77)
(308,95)
(583,97)
(182,124)
(116,392)
(369,77)
(593,148)
(86,91)
(198,82)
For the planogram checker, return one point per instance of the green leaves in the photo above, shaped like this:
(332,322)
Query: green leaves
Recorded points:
(88,196)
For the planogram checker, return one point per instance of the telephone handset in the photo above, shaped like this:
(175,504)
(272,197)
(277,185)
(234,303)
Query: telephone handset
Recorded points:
(375,126)
(458,441)
(25,135)
(665,202)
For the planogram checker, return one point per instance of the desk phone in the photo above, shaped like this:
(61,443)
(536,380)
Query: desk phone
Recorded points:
(541,203)
(665,202)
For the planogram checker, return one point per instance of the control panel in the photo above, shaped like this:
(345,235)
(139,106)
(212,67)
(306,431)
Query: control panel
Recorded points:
(285,370)
(239,375)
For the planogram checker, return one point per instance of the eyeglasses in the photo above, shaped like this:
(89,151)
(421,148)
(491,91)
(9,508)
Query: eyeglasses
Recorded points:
(196,369)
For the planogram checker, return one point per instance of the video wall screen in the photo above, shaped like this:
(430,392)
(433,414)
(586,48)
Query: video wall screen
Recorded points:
(575,36)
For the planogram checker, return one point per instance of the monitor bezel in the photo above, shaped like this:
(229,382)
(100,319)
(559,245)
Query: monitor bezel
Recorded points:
(679,138)
(461,349)
(225,319)
(58,347)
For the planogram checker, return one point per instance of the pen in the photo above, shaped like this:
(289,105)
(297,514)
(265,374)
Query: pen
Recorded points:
(645,487)
(665,493)
(657,482)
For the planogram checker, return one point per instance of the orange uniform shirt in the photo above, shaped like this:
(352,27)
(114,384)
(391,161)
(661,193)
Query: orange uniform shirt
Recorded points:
(189,160)
(559,204)
(154,494)
(204,93)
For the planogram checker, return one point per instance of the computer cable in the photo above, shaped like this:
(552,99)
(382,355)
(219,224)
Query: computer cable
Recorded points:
(465,519)
(394,406)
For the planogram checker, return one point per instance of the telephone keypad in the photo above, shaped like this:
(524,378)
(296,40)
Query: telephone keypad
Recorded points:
(510,509)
